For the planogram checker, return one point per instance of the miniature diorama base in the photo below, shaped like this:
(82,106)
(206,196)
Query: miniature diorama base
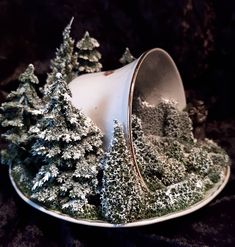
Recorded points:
(210,195)
(150,168)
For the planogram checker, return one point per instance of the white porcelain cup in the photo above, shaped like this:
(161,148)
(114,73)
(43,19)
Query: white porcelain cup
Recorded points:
(105,96)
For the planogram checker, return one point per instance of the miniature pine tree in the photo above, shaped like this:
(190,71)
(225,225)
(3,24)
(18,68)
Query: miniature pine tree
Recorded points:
(65,61)
(88,55)
(121,194)
(160,166)
(69,146)
(152,117)
(165,120)
(126,57)
(148,160)
(17,114)
(177,123)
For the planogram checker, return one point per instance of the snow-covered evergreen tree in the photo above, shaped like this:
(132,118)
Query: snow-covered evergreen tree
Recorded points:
(17,114)
(122,196)
(126,57)
(65,61)
(164,120)
(148,160)
(177,123)
(88,55)
(69,146)
(152,117)
(160,167)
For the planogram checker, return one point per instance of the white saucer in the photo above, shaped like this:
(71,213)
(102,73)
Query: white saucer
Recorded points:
(210,195)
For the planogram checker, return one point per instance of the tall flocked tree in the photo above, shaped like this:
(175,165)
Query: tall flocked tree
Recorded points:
(69,146)
(88,55)
(121,194)
(17,114)
(65,61)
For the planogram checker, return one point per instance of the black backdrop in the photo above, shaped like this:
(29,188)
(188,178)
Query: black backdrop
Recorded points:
(198,34)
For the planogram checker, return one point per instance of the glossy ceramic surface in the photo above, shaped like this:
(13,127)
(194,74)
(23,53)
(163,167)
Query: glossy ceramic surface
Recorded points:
(106,96)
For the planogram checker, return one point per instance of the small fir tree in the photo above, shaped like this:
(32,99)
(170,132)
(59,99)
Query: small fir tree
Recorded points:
(17,114)
(69,146)
(65,61)
(88,55)
(165,120)
(177,123)
(121,193)
(152,117)
(148,160)
(160,164)
(126,57)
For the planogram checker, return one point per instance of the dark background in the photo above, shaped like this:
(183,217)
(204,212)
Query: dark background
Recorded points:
(198,34)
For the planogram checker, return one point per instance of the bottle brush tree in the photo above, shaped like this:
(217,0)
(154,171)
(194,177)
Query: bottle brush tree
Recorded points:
(17,114)
(148,160)
(88,55)
(65,61)
(121,193)
(69,146)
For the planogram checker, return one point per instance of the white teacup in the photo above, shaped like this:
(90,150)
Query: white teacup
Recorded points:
(105,96)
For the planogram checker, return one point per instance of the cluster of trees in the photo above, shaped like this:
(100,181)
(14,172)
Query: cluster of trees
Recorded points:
(54,150)
(52,147)
(56,155)
(177,168)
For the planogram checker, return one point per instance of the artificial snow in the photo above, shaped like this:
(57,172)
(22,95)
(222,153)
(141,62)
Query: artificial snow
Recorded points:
(57,159)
